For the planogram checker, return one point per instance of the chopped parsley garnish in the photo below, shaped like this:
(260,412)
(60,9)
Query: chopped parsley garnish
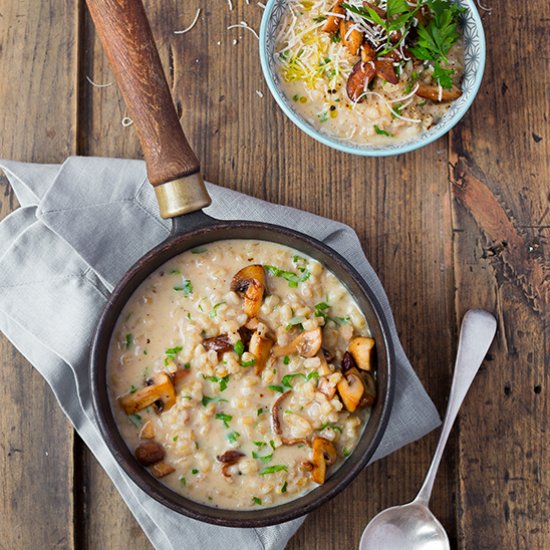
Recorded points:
(273,469)
(239,348)
(260,411)
(292,278)
(186,287)
(323,117)
(225,418)
(214,311)
(133,389)
(183,481)
(272,443)
(346,452)
(256,500)
(175,272)
(206,400)
(171,354)
(329,425)
(248,363)
(283,488)
(286,381)
(199,250)
(313,375)
(279,389)
(194,471)
(135,419)
(175,438)
(265,459)
(286,360)
(217,380)
(320,310)
(129,340)
(233,436)
(381,132)
(259,444)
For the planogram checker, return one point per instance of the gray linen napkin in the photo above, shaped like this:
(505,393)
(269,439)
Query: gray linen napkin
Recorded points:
(81,225)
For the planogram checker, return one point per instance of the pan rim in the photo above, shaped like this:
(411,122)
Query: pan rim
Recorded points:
(293,509)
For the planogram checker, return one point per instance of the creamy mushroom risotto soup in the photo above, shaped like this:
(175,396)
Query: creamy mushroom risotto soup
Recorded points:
(371,73)
(240,373)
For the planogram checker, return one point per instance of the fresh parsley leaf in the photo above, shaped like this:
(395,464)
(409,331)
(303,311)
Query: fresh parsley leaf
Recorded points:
(286,360)
(206,400)
(256,500)
(183,481)
(443,76)
(194,471)
(265,459)
(214,311)
(133,389)
(381,132)
(313,375)
(129,340)
(346,452)
(292,278)
(135,419)
(394,7)
(259,444)
(286,381)
(276,388)
(238,348)
(225,418)
(260,411)
(171,354)
(217,380)
(199,250)
(233,436)
(329,425)
(272,469)
(186,287)
(283,488)
(248,363)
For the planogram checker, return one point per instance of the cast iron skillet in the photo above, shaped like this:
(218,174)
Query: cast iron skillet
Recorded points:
(174,171)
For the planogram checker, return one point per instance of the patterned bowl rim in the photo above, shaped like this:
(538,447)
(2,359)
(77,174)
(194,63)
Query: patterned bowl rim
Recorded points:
(423,139)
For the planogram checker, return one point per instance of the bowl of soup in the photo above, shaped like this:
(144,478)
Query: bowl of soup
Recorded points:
(373,78)
(243,382)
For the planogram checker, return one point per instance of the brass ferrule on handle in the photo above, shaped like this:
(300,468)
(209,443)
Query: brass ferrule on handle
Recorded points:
(182,196)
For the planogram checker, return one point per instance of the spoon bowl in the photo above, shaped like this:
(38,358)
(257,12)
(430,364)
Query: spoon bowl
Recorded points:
(411,527)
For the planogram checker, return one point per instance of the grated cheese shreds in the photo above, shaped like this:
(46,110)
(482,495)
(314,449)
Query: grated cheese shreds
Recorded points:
(244,25)
(192,24)
(96,85)
(314,67)
(482,7)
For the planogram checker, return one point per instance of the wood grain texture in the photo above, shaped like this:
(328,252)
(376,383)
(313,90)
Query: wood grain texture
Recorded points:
(38,66)
(499,174)
(461,223)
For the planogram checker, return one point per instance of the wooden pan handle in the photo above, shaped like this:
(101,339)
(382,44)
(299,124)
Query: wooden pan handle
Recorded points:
(126,36)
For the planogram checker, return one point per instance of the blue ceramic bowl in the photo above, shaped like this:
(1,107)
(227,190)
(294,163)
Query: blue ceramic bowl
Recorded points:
(474,64)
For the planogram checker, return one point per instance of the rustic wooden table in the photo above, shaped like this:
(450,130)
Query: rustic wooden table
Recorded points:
(461,223)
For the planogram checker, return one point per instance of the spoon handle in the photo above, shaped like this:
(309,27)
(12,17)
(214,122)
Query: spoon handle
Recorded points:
(476,334)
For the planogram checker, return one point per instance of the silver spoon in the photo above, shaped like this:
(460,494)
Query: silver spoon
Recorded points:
(413,526)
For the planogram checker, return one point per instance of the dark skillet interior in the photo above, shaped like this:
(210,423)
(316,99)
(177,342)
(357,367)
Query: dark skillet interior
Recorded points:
(370,438)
